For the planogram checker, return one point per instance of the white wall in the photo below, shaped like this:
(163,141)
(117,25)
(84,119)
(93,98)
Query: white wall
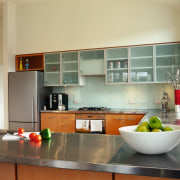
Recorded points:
(78,24)
(58,25)
(8,51)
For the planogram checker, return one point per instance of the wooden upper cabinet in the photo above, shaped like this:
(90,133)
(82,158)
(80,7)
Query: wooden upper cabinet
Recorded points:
(35,62)
(114,122)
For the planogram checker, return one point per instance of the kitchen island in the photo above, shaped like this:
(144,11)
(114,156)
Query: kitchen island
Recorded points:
(88,156)
(92,155)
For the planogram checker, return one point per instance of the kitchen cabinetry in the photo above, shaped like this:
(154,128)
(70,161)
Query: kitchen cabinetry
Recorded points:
(92,62)
(58,122)
(136,177)
(66,123)
(49,120)
(113,122)
(62,69)
(52,69)
(141,63)
(8,171)
(70,68)
(35,62)
(25,172)
(116,65)
(167,59)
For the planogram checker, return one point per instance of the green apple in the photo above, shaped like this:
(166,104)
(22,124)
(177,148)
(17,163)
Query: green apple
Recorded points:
(168,128)
(145,123)
(143,129)
(156,130)
(155,122)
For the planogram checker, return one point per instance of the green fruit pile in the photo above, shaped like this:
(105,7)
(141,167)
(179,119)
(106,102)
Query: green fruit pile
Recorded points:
(154,125)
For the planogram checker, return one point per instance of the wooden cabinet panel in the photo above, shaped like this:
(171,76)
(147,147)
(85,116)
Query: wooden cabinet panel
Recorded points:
(135,177)
(66,122)
(7,171)
(35,61)
(113,122)
(25,172)
(58,122)
(49,120)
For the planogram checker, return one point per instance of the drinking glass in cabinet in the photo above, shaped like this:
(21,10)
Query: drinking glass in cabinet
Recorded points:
(111,65)
(110,77)
(118,64)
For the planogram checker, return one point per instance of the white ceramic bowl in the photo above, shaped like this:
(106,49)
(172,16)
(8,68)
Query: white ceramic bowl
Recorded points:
(151,142)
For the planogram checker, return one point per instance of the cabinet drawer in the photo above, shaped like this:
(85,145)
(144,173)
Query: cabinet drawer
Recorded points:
(114,122)
(66,116)
(90,116)
(50,116)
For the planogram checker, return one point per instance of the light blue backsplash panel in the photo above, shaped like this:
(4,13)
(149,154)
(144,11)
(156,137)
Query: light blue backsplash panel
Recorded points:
(96,93)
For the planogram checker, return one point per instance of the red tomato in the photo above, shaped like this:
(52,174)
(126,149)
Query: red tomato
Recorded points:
(32,136)
(38,138)
(20,131)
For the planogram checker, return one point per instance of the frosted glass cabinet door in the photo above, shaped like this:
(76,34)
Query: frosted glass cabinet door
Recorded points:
(117,65)
(167,59)
(70,68)
(92,62)
(52,69)
(141,63)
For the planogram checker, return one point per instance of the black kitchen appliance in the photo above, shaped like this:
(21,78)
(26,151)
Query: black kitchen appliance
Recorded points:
(57,99)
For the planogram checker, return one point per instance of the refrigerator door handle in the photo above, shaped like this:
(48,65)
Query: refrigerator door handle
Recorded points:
(33,109)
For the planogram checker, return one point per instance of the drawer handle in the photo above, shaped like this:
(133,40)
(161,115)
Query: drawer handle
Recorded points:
(131,119)
(52,117)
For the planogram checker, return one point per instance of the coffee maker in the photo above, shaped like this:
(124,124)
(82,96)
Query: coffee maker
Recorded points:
(57,100)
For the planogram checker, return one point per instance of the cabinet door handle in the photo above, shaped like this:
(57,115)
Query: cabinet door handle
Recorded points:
(131,119)
(66,117)
(51,117)
(118,119)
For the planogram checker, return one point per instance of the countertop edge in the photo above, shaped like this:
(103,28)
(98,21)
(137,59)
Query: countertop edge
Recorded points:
(108,168)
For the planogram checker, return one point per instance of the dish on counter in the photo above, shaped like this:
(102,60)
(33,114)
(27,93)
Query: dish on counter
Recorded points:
(151,142)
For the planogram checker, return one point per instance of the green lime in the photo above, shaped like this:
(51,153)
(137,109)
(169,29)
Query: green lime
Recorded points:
(145,124)
(168,128)
(143,129)
(156,130)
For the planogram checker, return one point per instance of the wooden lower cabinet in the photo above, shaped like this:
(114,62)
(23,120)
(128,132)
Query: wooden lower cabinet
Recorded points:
(49,120)
(58,122)
(7,171)
(135,177)
(113,122)
(25,172)
(66,123)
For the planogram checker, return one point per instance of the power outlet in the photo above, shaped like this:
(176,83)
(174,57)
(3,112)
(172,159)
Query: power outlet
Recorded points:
(75,101)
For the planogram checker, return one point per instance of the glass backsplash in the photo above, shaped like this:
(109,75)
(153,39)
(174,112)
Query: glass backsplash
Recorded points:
(124,96)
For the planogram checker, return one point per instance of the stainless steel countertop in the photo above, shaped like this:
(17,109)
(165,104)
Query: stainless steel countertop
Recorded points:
(94,152)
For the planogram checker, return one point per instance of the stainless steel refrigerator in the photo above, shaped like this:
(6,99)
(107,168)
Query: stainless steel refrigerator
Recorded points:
(26,97)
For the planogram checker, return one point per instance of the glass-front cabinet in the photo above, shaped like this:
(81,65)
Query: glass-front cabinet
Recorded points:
(70,68)
(116,65)
(92,62)
(52,69)
(167,60)
(61,69)
(141,64)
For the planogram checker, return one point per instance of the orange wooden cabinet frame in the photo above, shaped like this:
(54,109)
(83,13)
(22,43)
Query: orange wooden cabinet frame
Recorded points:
(35,61)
